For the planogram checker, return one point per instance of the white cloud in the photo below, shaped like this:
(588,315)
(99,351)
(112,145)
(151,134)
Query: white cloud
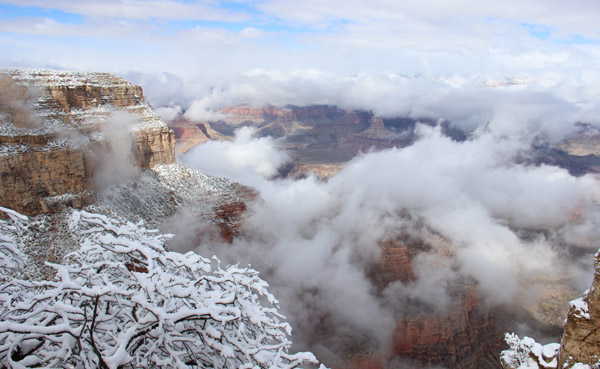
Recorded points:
(545,106)
(242,157)
(467,37)
(313,240)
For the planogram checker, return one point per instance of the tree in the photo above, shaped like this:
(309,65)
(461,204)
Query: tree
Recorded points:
(123,301)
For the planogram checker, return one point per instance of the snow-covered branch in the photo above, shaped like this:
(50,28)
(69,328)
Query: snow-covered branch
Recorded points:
(123,301)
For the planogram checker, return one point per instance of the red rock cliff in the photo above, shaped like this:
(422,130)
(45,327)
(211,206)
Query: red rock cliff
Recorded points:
(53,123)
(461,336)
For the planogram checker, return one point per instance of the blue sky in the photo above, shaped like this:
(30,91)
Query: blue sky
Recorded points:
(344,37)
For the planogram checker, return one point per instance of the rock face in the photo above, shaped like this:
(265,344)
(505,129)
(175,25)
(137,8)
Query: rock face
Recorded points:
(270,113)
(395,263)
(189,134)
(580,343)
(228,216)
(55,127)
(376,137)
(586,141)
(322,171)
(154,146)
(581,338)
(462,337)
(40,181)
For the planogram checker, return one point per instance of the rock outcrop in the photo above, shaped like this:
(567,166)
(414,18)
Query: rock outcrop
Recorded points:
(189,134)
(193,206)
(395,263)
(579,347)
(462,335)
(376,137)
(322,171)
(56,126)
(580,342)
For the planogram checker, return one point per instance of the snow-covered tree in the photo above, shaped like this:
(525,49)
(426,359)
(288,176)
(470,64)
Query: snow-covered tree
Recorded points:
(527,354)
(11,259)
(123,301)
(518,354)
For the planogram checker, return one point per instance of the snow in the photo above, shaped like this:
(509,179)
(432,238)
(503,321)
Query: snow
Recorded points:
(48,77)
(579,308)
(581,366)
(47,119)
(167,190)
(527,354)
(121,299)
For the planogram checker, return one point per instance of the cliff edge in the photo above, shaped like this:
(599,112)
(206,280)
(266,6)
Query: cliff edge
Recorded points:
(580,343)
(59,130)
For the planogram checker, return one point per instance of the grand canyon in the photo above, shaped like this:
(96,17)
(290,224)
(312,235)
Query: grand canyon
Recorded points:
(365,268)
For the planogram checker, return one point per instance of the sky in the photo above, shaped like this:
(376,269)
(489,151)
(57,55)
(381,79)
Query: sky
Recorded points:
(199,56)
(345,37)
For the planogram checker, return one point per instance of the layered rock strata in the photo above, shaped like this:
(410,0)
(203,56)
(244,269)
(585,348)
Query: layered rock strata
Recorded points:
(376,137)
(189,134)
(462,335)
(55,128)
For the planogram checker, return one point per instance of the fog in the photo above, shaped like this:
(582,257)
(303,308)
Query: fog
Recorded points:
(116,161)
(493,222)
(314,241)
(16,101)
(541,103)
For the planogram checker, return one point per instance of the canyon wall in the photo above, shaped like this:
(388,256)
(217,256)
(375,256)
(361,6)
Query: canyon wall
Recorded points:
(243,113)
(463,335)
(580,342)
(55,128)
(579,347)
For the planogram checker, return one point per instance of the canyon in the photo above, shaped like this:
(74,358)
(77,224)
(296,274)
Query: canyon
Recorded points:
(91,141)
(321,139)
(67,137)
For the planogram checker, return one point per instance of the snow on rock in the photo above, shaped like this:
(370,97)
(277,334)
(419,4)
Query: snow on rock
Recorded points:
(59,129)
(527,354)
(177,194)
(579,308)
(580,343)
(122,300)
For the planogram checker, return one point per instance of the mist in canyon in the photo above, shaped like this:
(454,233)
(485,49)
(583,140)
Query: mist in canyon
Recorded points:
(493,219)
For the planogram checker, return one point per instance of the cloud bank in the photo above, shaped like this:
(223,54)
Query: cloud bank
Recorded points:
(505,224)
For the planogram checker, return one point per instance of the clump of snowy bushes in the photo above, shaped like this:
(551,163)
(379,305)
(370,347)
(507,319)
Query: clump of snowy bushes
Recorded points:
(123,301)
(527,354)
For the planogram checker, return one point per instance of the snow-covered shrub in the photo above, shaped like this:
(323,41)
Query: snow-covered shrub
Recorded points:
(123,301)
(11,259)
(518,353)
